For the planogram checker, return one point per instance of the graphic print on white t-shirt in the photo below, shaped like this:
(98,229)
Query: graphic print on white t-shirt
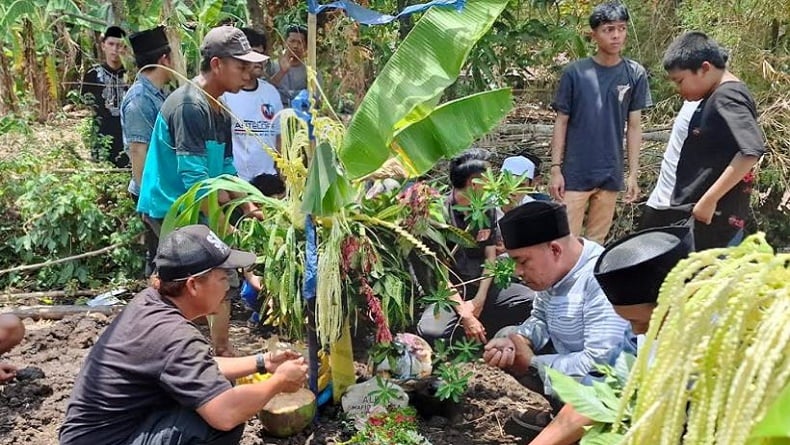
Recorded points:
(660,198)
(257,122)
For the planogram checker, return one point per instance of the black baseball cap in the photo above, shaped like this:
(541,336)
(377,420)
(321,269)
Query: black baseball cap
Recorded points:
(195,249)
(229,41)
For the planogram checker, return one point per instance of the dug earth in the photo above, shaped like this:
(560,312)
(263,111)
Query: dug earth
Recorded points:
(49,358)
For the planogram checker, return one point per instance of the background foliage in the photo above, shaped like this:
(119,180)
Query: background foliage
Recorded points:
(45,46)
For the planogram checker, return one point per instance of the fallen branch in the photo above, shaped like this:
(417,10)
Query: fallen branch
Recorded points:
(655,135)
(91,170)
(62,260)
(59,312)
(49,294)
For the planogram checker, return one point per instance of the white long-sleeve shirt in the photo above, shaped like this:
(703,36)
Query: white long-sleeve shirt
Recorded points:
(578,319)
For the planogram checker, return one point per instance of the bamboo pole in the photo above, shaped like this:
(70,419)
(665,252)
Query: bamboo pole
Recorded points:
(312,340)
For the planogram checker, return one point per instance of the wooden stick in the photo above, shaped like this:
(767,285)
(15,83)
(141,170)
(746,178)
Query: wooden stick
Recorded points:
(62,260)
(59,312)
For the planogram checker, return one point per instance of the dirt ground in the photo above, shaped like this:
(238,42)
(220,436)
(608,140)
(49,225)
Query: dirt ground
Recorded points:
(32,407)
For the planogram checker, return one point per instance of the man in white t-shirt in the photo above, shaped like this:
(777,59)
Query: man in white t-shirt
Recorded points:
(255,121)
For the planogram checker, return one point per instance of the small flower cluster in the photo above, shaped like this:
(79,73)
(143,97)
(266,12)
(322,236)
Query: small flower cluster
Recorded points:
(398,426)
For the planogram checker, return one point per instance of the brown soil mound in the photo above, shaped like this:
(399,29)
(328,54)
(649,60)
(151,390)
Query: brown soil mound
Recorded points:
(32,407)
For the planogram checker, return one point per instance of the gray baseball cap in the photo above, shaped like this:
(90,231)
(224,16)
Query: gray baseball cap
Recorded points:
(229,41)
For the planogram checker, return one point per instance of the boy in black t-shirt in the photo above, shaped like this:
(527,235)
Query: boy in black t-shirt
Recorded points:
(714,173)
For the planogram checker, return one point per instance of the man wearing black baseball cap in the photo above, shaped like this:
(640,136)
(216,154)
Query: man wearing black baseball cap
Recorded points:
(151,377)
(191,142)
(630,272)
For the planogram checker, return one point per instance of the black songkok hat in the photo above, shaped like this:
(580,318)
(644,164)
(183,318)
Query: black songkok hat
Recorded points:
(632,270)
(149,42)
(534,223)
(114,31)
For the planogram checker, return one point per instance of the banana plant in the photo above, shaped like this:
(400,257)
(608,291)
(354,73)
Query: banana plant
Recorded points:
(399,115)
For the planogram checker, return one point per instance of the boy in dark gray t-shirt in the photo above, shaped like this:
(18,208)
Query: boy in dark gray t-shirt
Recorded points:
(597,97)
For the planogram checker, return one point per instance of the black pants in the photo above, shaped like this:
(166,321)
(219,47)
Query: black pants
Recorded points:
(150,238)
(181,426)
(505,307)
(719,233)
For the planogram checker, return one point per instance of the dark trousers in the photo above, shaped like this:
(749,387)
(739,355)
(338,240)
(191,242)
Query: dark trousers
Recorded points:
(181,426)
(719,233)
(503,307)
(150,238)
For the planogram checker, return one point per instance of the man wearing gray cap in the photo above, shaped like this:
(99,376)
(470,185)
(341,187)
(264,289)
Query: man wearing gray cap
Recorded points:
(191,140)
(151,378)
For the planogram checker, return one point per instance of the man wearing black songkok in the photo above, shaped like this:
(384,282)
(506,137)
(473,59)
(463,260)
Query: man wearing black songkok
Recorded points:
(631,273)
(572,326)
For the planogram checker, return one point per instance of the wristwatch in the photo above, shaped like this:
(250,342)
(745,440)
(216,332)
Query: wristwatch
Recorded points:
(260,363)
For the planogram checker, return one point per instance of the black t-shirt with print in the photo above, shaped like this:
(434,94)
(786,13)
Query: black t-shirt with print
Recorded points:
(723,125)
(469,260)
(150,358)
(103,89)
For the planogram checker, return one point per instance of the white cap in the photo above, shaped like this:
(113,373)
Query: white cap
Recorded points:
(519,166)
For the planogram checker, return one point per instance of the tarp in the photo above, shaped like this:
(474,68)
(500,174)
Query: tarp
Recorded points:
(369,17)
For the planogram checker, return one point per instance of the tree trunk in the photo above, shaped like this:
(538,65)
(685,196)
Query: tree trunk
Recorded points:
(118,11)
(8,99)
(405,23)
(35,73)
(257,15)
(174,38)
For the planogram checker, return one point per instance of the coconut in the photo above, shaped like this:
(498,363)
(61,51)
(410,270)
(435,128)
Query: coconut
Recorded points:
(288,413)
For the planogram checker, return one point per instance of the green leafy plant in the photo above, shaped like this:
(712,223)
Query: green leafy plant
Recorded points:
(598,401)
(466,350)
(502,270)
(441,300)
(386,392)
(453,383)
(774,428)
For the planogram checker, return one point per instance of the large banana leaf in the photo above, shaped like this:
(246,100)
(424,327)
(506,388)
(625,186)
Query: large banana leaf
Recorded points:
(326,190)
(451,128)
(426,62)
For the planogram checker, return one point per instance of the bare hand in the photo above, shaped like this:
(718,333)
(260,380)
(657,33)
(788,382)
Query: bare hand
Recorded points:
(293,374)
(7,372)
(704,210)
(512,353)
(631,190)
(273,360)
(474,306)
(557,186)
(253,210)
(500,353)
(473,328)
